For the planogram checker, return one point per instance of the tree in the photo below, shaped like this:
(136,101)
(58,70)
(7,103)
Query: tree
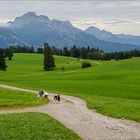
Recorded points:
(40,50)
(2,61)
(31,50)
(54,50)
(8,53)
(74,52)
(65,51)
(83,52)
(49,62)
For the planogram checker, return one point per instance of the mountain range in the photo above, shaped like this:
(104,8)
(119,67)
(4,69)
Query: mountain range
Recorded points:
(108,36)
(31,29)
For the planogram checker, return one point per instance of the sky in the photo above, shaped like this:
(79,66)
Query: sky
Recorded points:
(116,16)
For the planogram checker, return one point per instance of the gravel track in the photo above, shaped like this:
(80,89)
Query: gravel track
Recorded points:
(89,125)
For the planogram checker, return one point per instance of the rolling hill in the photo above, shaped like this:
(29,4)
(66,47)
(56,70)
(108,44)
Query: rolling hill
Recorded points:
(110,87)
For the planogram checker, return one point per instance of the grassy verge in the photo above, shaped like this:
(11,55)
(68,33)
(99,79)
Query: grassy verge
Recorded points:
(33,126)
(12,98)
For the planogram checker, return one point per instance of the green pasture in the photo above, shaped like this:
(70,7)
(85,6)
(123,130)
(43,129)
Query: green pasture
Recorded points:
(110,87)
(33,126)
(12,98)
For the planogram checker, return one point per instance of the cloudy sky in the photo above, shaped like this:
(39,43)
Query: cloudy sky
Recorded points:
(117,16)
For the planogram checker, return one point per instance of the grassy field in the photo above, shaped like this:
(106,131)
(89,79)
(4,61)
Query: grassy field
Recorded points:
(33,126)
(12,98)
(111,87)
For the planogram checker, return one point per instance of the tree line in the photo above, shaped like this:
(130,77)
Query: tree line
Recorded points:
(22,49)
(78,52)
(92,53)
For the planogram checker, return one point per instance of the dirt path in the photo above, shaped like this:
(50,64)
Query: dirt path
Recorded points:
(73,113)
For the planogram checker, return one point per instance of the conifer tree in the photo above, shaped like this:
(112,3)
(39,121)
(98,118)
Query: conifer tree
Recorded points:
(8,53)
(49,62)
(2,61)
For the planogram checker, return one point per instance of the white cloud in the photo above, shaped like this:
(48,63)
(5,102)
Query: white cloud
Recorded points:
(116,16)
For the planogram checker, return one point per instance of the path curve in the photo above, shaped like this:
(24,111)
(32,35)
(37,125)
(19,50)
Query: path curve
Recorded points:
(89,125)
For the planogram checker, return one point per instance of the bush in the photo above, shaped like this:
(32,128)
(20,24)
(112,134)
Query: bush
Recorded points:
(78,59)
(86,65)
(62,68)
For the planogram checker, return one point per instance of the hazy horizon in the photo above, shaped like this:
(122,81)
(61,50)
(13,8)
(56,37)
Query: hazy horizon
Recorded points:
(116,17)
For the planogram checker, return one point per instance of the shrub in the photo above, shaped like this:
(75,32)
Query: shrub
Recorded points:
(62,68)
(86,65)
(78,59)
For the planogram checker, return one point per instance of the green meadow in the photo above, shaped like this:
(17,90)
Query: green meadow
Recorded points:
(12,99)
(110,87)
(33,126)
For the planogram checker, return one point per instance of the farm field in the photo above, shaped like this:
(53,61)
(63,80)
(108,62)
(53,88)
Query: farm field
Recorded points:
(110,87)
(33,126)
